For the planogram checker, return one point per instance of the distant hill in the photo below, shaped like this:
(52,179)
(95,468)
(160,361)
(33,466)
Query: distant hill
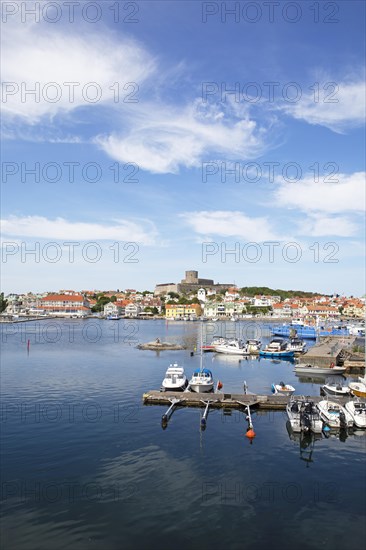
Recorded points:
(254,290)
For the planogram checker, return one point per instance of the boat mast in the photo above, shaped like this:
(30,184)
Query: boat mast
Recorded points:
(201,355)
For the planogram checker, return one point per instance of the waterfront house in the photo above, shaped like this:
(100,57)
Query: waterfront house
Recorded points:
(179,311)
(65,305)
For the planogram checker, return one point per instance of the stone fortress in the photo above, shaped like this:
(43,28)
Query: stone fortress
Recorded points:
(190,283)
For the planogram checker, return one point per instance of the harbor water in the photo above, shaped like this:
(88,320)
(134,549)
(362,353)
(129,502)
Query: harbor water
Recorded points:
(85,465)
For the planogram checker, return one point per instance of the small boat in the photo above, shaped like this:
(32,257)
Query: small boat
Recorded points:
(334,415)
(232,347)
(253,345)
(113,317)
(335,388)
(282,389)
(297,345)
(202,381)
(358,388)
(303,415)
(175,379)
(357,409)
(314,371)
(276,348)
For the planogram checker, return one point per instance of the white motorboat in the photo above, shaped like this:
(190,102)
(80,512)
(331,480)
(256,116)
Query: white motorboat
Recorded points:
(303,415)
(232,347)
(282,389)
(334,415)
(202,380)
(253,346)
(219,340)
(358,388)
(357,409)
(314,371)
(175,379)
(296,345)
(335,388)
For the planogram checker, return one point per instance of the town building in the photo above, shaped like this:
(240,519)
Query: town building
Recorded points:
(179,311)
(68,305)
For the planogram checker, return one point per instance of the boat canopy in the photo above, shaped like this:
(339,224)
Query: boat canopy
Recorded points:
(205,372)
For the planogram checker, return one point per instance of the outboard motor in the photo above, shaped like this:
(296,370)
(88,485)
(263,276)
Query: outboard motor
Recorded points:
(305,421)
(342,420)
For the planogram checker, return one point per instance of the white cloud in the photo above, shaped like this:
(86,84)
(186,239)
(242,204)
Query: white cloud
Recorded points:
(337,106)
(231,224)
(318,225)
(35,55)
(346,195)
(143,232)
(161,139)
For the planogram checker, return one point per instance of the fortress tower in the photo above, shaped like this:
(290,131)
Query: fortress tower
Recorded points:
(191,278)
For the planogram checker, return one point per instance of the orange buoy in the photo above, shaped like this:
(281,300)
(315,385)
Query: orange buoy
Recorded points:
(250,433)
(219,385)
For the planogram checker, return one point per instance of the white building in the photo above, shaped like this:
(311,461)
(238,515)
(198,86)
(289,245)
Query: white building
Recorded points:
(113,309)
(132,310)
(201,295)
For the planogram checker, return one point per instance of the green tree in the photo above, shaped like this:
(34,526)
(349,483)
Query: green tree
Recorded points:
(3,303)
(101,302)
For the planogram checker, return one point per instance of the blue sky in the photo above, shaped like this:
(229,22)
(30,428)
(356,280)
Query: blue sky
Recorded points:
(140,147)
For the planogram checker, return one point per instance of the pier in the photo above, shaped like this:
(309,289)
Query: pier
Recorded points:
(226,400)
(332,349)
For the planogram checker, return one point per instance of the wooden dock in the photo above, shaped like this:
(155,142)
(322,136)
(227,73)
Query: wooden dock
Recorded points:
(224,400)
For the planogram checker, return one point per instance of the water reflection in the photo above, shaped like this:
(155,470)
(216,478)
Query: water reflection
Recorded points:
(306,443)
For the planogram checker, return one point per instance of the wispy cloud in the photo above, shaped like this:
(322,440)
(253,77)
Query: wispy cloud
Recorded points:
(162,139)
(143,232)
(61,65)
(338,106)
(224,223)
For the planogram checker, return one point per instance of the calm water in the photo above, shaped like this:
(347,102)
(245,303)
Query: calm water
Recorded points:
(86,465)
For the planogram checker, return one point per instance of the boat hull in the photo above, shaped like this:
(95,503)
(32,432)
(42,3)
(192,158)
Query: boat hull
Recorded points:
(264,353)
(175,387)
(227,351)
(329,390)
(201,388)
(315,371)
(358,389)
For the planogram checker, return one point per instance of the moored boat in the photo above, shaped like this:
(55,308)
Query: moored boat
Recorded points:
(357,409)
(276,348)
(358,388)
(303,415)
(335,388)
(334,415)
(175,379)
(282,389)
(307,331)
(297,345)
(202,381)
(253,346)
(232,347)
(314,371)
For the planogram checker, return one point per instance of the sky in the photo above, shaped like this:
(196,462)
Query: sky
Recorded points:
(144,139)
